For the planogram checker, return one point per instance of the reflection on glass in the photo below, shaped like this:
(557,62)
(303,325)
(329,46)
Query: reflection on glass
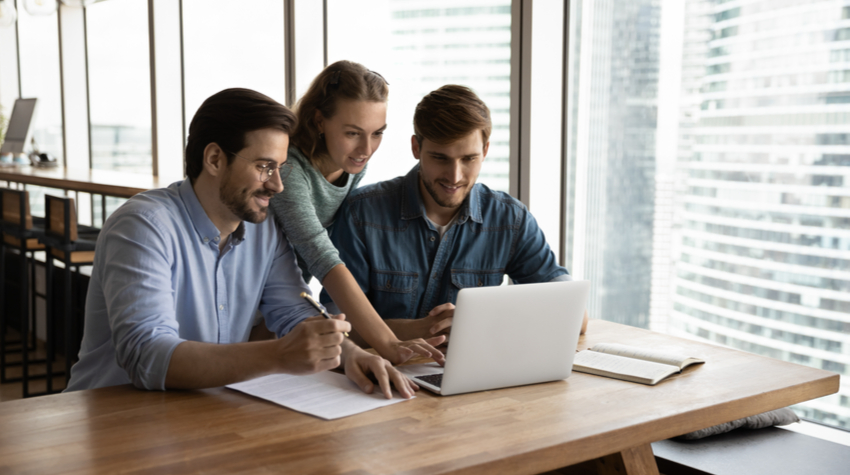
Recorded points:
(119,85)
(419,47)
(747,210)
(232,44)
(38,42)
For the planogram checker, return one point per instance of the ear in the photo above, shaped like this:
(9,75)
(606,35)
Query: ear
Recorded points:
(414,146)
(320,121)
(215,160)
(486,148)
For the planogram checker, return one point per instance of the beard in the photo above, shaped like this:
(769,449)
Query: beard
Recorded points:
(431,188)
(238,201)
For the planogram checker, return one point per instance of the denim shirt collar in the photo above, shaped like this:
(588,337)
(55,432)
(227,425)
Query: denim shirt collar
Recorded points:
(204,227)
(412,206)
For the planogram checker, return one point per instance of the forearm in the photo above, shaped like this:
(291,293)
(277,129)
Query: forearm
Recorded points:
(347,295)
(196,365)
(408,329)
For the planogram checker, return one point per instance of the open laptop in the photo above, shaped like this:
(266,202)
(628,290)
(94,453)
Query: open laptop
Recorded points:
(508,336)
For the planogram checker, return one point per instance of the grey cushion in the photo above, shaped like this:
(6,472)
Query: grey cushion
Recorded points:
(779,417)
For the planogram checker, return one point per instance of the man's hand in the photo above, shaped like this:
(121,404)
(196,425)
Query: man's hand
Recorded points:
(441,317)
(314,345)
(360,365)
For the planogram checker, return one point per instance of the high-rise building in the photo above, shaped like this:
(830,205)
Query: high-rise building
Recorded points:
(762,258)
(612,154)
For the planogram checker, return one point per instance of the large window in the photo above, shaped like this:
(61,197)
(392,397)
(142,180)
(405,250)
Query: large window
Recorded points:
(38,46)
(119,85)
(232,44)
(709,175)
(419,46)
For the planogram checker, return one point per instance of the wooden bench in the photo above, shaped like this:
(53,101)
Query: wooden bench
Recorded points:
(771,450)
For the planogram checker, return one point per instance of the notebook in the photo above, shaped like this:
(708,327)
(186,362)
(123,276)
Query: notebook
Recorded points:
(508,336)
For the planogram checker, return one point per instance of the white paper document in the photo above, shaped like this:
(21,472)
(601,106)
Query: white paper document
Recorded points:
(327,395)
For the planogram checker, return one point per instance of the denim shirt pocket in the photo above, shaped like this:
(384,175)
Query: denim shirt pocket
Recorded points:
(394,293)
(463,278)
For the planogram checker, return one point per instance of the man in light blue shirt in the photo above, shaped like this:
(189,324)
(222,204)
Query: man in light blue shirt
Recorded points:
(179,272)
(413,242)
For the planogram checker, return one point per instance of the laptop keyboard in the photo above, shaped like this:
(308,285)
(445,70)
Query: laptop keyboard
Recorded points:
(432,379)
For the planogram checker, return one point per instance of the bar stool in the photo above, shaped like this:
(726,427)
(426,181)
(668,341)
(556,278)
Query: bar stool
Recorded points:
(74,246)
(19,231)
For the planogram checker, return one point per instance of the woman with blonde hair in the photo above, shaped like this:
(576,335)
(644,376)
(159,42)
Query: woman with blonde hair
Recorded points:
(341,121)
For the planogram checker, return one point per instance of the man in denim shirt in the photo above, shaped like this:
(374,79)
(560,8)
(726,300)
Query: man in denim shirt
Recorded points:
(412,242)
(179,272)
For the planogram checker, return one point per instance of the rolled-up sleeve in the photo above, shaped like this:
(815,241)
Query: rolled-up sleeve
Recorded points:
(139,296)
(281,303)
(532,260)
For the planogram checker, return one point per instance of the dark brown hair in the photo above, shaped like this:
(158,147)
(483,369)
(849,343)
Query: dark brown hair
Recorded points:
(225,117)
(340,80)
(449,114)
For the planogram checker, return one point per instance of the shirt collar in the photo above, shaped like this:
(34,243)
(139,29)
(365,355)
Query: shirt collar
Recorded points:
(204,226)
(413,207)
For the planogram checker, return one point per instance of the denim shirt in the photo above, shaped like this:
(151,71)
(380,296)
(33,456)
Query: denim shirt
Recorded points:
(406,269)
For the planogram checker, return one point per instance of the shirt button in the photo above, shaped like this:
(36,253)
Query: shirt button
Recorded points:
(221,307)
(206,240)
(432,238)
(217,238)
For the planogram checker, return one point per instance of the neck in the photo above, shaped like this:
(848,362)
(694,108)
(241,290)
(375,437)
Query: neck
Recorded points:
(207,191)
(328,169)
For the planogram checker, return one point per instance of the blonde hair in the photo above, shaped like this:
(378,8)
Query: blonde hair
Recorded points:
(341,80)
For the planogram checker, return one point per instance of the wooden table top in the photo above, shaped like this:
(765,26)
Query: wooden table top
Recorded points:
(101,182)
(528,429)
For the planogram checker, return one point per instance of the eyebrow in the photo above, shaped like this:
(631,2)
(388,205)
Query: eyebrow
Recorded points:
(361,129)
(443,155)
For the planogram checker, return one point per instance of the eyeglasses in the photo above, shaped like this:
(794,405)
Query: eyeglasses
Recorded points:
(266,170)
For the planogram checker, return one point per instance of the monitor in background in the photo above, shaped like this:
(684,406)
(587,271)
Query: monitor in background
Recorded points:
(19,126)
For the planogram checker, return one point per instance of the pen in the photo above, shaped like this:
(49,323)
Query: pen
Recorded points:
(309,299)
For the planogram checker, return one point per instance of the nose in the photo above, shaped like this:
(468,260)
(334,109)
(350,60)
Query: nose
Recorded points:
(275,184)
(455,171)
(366,147)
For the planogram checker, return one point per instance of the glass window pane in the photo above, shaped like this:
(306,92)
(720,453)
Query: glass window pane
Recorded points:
(232,44)
(38,42)
(119,85)
(419,47)
(734,225)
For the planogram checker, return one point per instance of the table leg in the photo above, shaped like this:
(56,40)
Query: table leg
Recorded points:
(635,461)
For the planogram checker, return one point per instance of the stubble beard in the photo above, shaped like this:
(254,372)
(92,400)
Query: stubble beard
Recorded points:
(238,202)
(432,190)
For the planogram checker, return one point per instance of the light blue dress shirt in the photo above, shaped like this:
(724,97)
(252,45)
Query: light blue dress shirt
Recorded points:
(159,279)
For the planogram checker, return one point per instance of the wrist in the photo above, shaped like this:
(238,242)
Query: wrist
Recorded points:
(271,356)
(349,348)
(387,344)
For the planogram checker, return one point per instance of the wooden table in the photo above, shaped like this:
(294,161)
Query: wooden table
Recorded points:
(98,182)
(529,429)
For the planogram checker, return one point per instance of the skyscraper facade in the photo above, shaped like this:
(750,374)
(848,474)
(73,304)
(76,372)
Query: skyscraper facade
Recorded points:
(762,259)
(612,154)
